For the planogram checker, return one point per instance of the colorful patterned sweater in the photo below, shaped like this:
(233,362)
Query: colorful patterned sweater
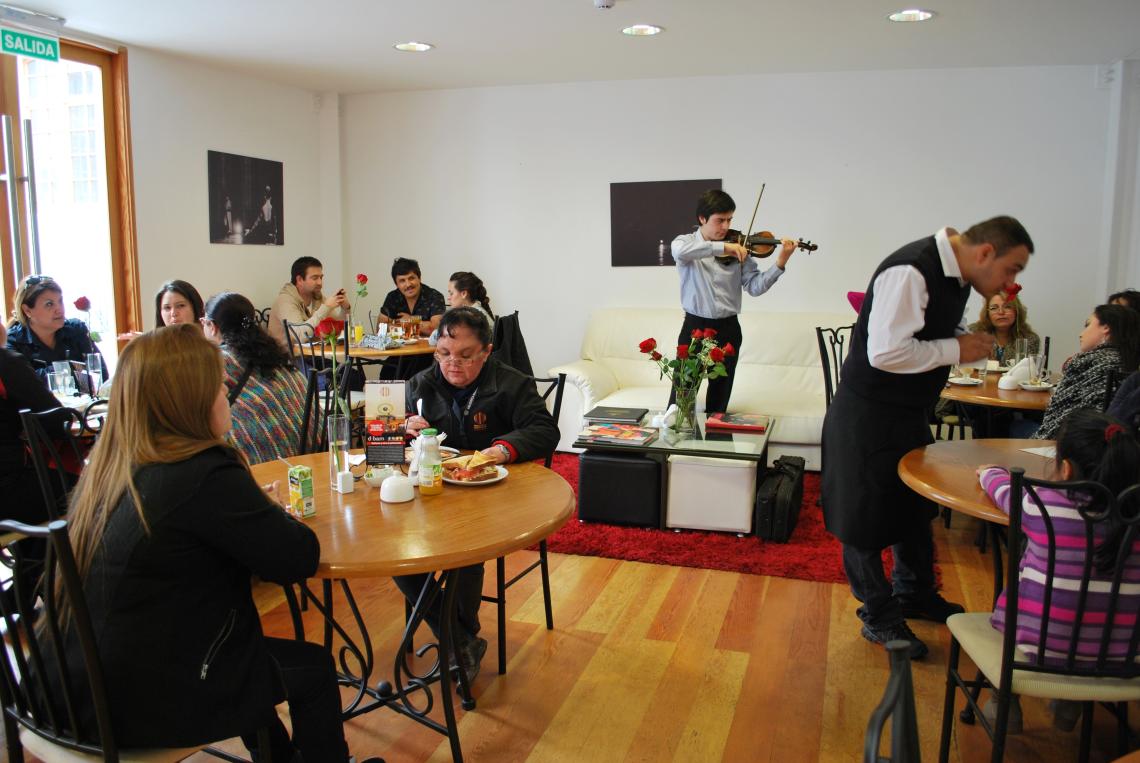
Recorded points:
(268,412)
(1069,529)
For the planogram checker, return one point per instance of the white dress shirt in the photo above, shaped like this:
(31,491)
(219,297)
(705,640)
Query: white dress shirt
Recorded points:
(710,289)
(898,312)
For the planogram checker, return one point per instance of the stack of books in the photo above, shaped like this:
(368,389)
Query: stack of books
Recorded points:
(613,433)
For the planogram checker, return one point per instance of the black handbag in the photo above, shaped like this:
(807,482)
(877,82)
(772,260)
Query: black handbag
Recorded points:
(778,499)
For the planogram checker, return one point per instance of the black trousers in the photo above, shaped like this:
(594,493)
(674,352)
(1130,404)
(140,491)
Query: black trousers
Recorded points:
(314,705)
(468,598)
(727,330)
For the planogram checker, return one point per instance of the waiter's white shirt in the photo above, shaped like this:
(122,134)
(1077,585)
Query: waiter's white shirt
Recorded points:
(898,312)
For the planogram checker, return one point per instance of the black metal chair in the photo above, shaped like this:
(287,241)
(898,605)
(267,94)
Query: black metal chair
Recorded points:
(833,346)
(1051,669)
(40,695)
(53,446)
(897,704)
(263,317)
(1045,353)
(556,386)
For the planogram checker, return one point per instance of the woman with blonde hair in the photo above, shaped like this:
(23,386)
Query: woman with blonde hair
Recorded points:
(1007,321)
(41,331)
(168,527)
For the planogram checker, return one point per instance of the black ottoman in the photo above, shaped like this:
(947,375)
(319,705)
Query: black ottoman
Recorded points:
(619,489)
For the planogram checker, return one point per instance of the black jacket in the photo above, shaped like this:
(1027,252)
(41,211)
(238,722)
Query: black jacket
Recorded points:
(507,408)
(1126,404)
(178,633)
(19,388)
(72,342)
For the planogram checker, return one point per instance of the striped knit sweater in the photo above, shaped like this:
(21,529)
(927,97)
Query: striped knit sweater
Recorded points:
(1082,385)
(267,414)
(1069,531)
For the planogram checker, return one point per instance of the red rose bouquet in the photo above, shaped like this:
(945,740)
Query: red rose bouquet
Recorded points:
(702,358)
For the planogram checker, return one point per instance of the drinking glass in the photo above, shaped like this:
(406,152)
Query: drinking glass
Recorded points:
(338,445)
(65,382)
(1020,349)
(95,372)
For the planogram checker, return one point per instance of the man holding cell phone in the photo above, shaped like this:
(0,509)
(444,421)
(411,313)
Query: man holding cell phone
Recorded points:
(301,301)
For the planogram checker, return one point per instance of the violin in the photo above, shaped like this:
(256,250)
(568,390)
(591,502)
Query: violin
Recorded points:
(760,244)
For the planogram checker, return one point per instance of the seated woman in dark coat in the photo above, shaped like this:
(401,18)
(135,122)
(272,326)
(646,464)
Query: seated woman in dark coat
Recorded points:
(168,528)
(39,329)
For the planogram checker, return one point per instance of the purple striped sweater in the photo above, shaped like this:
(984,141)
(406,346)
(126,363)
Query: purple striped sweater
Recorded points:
(1069,529)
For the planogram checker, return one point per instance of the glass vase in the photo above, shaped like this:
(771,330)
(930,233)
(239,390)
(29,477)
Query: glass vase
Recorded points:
(338,445)
(686,421)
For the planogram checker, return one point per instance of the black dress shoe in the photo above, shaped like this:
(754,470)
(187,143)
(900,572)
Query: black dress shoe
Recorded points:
(900,632)
(936,609)
(472,655)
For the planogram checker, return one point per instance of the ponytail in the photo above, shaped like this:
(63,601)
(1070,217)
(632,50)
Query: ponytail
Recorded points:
(473,285)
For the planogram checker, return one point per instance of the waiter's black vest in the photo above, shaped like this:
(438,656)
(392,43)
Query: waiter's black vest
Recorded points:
(943,314)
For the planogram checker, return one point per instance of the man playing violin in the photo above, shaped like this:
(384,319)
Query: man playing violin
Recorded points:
(713,273)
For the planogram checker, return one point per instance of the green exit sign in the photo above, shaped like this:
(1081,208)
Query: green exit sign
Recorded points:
(16,43)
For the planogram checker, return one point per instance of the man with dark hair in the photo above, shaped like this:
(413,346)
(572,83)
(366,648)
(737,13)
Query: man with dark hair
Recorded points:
(301,301)
(713,272)
(485,405)
(412,297)
(910,330)
(1128,298)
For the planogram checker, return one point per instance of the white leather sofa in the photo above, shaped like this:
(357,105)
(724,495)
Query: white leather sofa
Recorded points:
(778,373)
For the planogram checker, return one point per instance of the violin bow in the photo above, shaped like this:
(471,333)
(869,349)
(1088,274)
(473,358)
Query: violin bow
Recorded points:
(755,209)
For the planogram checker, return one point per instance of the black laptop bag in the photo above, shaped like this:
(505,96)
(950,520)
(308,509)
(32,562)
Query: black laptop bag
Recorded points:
(778,499)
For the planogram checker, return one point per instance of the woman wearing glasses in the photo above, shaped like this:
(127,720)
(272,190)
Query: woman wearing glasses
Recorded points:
(39,329)
(1006,321)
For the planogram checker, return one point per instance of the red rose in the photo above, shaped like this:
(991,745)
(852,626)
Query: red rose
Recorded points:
(710,333)
(655,355)
(1011,292)
(716,354)
(649,345)
(83,304)
(329,327)
(682,351)
(361,278)
(729,349)
(698,333)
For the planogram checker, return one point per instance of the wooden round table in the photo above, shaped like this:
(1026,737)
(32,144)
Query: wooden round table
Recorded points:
(988,393)
(421,347)
(946,471)
(364,537)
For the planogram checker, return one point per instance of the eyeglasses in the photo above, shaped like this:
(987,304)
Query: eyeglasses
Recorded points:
(456,360)
(1001,308)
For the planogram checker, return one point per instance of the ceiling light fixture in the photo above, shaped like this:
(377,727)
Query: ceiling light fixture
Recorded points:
(413,47)
(912,14)
(32,20)
(642,30)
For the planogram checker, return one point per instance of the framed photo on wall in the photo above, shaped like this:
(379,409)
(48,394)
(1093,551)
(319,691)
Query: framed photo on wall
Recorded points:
(246,199)
(645,217)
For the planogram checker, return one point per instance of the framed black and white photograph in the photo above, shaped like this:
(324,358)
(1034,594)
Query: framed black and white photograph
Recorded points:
(246,200)
(645,217)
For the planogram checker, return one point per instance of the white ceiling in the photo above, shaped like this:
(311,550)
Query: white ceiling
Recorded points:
(346,45)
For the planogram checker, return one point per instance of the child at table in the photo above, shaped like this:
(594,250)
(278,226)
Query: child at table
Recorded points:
(1091,446)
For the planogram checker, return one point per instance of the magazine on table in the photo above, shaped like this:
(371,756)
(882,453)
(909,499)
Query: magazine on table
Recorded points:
(603,413)
(743,422)
(614,433)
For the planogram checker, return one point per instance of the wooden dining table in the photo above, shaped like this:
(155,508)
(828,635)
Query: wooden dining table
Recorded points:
(946,472)
(364,537)
(989,394)
(371,354)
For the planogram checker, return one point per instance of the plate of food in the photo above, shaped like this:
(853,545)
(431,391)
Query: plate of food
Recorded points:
(1043,386)
(964,381)
(475,469)
(444,453)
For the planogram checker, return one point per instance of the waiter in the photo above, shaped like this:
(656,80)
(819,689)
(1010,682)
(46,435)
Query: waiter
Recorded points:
(909,332)
(713,273)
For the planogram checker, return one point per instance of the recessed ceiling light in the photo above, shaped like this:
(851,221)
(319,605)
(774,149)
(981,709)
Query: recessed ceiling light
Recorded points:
(642,30)
(912,14)
(413,47)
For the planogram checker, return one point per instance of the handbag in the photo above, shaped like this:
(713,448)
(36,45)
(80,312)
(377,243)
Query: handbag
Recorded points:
(778,499)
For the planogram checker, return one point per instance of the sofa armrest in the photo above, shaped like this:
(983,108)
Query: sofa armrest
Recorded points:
(593,380)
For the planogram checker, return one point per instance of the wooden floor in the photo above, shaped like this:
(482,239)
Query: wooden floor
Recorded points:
(654,663)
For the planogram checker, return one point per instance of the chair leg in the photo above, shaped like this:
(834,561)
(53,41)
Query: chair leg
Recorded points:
(12,740)
(501,607)
(1121,728)
(545,568)
(946,517)
(948,704)
(407,619)
(1086,731)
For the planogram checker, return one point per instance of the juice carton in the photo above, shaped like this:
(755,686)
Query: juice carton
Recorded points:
(301,503)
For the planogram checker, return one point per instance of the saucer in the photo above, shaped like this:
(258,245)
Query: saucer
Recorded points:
(964,381)
(1042,387)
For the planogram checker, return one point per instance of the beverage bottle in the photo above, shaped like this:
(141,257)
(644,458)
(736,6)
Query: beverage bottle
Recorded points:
(430,477)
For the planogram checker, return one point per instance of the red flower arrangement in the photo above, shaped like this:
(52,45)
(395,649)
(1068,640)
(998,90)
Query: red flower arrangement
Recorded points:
(84,304)
(700,359)
(361,285)
(329,330)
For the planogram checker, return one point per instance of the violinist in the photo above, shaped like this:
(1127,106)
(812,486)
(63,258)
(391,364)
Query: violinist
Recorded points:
(713,274)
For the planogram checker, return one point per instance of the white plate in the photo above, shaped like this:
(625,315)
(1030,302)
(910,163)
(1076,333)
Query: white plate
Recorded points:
(445,453)
(1043,387)
(964,381)
(502,476)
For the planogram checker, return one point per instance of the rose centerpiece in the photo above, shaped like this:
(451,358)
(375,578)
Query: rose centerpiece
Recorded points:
(702,358)
(328,331)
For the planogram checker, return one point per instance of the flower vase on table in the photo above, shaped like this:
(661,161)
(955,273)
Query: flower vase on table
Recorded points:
(338,426)
(702,358)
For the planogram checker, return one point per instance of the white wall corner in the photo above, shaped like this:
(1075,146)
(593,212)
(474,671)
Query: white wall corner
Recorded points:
(330,191)
(1120,228)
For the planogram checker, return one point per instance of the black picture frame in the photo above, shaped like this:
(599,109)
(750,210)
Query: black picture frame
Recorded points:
(246,199)
(646,216)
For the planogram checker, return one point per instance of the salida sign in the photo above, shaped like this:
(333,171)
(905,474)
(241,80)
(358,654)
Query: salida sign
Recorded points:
(17,43)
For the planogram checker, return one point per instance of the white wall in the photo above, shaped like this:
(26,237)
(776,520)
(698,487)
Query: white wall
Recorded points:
(179,111)
(513,182)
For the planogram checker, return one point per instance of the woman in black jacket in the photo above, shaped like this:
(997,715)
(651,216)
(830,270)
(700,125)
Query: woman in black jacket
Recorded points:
(41,332)
(168,527)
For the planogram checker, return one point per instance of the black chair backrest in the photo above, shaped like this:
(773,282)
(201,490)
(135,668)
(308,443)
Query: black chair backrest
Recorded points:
(555,385)
(898,705)
(1115,378)
(94,416)
(833,346)
(53,446)
(263,316)
(36,688)
(319,404)
(1103,590)
(509,345)
(374,320)
(1045,353)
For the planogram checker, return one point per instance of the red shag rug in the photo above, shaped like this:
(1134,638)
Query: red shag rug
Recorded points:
(811,554)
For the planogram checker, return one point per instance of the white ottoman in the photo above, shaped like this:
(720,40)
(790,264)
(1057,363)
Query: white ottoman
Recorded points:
(711,494)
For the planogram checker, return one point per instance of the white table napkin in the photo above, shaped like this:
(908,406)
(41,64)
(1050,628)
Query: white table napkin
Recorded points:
(1019,373)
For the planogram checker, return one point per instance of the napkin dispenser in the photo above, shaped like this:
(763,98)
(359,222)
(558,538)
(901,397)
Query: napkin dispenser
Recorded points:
(1014,376)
